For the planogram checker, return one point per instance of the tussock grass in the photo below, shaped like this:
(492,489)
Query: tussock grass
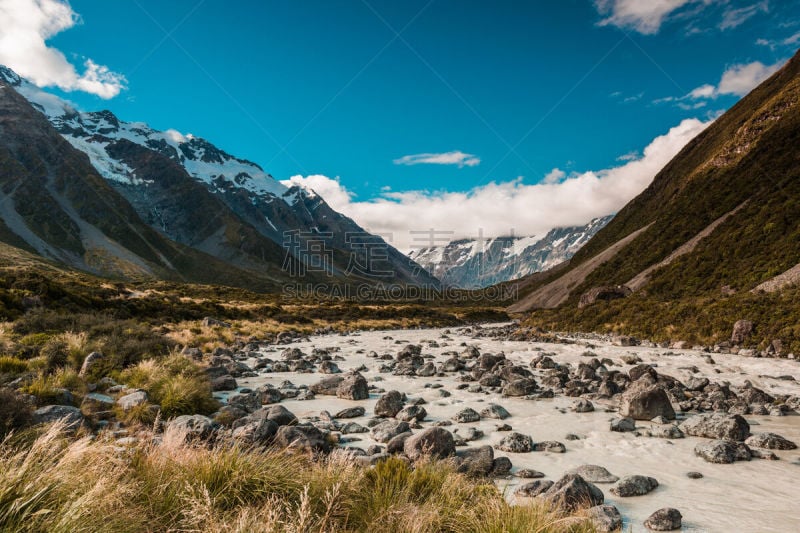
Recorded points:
(178,385)
(57,484)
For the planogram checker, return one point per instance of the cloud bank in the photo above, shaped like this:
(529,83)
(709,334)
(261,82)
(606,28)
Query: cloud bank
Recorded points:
(456,157)
(508,207)
(26,26)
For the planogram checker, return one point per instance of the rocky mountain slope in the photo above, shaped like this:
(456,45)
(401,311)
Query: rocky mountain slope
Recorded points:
(188,192)
(472,263)
(715,236)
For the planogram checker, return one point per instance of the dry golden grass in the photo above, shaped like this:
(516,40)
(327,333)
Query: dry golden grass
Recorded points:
(57,484)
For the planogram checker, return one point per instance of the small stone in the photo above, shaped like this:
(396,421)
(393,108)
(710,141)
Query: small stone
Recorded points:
(694,475)
(467,415)
(516,443)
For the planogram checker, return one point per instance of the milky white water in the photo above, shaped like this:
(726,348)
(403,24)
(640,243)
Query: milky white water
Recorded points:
(759,495)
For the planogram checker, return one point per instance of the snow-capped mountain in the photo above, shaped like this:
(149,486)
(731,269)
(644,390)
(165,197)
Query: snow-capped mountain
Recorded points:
(472,263)
(200,196)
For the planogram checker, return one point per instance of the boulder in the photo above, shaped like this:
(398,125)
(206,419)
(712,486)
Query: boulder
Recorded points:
(717,426)
(327,386)
(389,404)
(329,367)
(742,330)
(520,387)
(475,461)
(582,406)
(467,415)
(552,446)
(634,486)
(572,492)
(353,387)
(280,415)
(259,431)
(193,427)
(70,416)
(515,443)
(770,441)
(606,518)
(435,442)
(389,428)
(594,474)
(666,519)
(722,451)
(623,424)
(131,400)
(495,411)
(645,401)
(534,488)
(412,412)
(350,412)
(304,437)
(223,383)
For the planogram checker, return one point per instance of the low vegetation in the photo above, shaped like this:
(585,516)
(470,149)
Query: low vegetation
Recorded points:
(71,485)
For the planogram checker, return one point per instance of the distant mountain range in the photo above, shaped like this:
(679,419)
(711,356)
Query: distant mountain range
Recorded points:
(120,198)
(473,263)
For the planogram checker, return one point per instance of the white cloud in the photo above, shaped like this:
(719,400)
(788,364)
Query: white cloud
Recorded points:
(733,18)
(737,80)
(26,26)
(554,176)
(741,79)
(456,157)
(501,208)
(644,16)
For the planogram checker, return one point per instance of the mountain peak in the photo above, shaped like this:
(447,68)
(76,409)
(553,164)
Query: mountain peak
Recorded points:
(9,76)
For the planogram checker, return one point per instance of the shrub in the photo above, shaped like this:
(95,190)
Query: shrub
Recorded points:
(12,365)
(15,412)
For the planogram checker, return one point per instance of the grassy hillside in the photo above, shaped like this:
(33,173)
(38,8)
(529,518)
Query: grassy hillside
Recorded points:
(749,157)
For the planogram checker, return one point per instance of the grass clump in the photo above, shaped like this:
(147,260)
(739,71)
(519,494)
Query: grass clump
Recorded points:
(15,412)
(12,365)
(178,385)
(56,484)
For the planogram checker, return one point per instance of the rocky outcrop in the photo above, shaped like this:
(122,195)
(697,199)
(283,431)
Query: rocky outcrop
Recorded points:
(717,426)
(604,293)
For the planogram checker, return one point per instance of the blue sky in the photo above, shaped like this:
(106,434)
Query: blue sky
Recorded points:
(516,89)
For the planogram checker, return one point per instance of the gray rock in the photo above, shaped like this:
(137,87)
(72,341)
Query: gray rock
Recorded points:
(397,443)
(572,492)
(742,330)
(527,473)
(515,443)
(353,387)
(435,442)
(259,431)
(223,383)
(412,412)
(634,486)
(70,416)
(668,431)
(350,412)
(192,426)
(389,404)
(495,411)
(717,426)
(467,415)
(694,475)
(770,441)
(520,387)
(134,399)
(501,466)
(327,386)
(389,428)
(475,461)
(623,424)
(594,474)
(304,437)
(666,519)
(723,451)
(582,406)
(279,414)
(534,488)
(552,446)
(644,401)
(329,367)
(606,518)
